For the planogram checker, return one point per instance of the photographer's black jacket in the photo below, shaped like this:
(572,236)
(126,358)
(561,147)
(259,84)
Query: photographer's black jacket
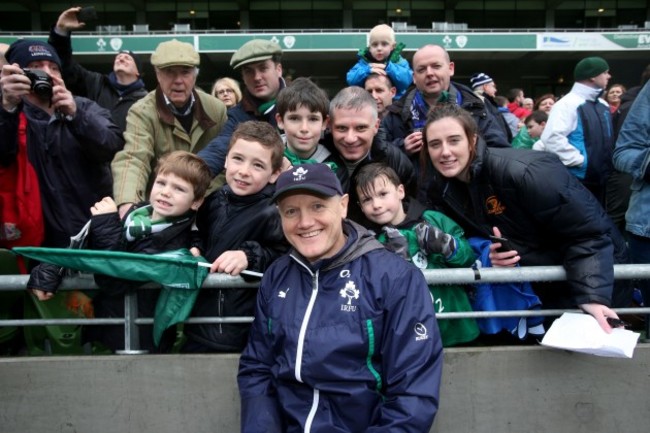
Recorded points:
(71,159)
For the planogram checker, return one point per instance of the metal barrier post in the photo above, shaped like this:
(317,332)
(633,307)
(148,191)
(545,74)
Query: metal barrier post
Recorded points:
(131,332)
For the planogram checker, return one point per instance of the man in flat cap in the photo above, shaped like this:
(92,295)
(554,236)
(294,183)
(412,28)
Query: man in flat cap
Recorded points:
(175,116)
(579,127)
(116,91)
(259,63)
(68,140)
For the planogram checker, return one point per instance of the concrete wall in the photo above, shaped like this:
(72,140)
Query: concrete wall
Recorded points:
(495,390)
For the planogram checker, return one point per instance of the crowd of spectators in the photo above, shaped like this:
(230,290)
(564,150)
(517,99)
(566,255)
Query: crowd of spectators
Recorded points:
(423,162)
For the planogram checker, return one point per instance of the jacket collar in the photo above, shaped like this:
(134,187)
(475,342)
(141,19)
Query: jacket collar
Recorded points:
(250,104)
(586,92)
(265,194)
(166,115)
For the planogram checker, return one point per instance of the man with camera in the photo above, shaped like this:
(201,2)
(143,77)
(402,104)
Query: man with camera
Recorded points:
(70,141)
(116,91)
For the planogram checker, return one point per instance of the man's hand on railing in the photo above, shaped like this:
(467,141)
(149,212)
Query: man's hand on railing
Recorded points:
(600,313)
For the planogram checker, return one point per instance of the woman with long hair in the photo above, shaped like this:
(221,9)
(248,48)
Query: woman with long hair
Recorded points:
(531,199)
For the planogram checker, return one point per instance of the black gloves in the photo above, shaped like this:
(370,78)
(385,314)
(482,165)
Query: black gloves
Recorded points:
(432,240)
(396,242)
(46,277)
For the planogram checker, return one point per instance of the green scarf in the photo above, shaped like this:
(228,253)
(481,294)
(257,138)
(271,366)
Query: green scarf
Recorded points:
(138,224)
(267,106)
(296,160)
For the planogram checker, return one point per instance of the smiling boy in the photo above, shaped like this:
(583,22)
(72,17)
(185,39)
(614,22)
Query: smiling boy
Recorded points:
(241,230)
(427,238)
(163,224)
(303,115)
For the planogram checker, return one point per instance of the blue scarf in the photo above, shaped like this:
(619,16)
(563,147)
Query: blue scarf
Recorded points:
(419,110)
(125,89)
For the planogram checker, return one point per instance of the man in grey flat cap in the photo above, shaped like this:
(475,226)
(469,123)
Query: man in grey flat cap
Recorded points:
(175,116)
(259,63)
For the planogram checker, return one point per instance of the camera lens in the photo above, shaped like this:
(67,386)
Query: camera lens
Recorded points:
(43,89)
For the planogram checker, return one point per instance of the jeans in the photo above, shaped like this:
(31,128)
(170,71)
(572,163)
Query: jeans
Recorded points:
(639,249)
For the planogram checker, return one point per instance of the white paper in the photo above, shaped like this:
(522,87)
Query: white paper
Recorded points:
(582,333)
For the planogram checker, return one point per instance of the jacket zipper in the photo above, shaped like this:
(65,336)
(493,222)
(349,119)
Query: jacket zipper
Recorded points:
(303,326)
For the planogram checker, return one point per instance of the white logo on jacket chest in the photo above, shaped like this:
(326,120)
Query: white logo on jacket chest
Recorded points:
(350,292)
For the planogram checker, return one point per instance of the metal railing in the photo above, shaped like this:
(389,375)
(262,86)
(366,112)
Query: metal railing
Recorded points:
(466,276)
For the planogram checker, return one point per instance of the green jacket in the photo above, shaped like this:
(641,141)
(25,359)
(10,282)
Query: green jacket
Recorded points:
(151,131)
(446,298)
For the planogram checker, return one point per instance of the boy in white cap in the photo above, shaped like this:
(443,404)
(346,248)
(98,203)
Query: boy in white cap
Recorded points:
(175,116)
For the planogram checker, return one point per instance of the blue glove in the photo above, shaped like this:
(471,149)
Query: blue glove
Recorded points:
(432,240)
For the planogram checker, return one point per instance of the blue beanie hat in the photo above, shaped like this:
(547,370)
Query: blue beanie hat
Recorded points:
(25,51)
(479,79)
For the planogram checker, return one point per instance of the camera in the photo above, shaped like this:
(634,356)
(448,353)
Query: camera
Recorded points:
(41,83)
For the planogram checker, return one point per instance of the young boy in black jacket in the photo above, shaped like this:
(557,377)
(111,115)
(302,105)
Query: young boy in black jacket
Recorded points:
(241,229)
(162,224)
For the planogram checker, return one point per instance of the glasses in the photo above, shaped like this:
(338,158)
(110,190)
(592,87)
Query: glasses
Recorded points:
(223,92)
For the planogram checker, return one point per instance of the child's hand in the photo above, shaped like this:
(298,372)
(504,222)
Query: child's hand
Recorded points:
(107,205)
(42,295)
(230,262)
(396,242)
(286,164)
(378,68)
(195,251)
(432,240)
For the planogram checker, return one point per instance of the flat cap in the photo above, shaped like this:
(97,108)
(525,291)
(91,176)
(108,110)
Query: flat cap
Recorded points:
(256,50)
(175,53)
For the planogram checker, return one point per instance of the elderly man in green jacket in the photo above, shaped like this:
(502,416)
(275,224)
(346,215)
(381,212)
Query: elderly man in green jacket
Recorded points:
(175,116)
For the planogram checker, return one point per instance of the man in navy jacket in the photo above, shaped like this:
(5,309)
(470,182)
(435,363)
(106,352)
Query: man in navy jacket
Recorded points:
(345,336)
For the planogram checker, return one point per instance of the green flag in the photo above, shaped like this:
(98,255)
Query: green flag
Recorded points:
(178,272)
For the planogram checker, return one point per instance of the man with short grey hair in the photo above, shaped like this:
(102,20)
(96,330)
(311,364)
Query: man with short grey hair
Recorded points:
(175,116)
